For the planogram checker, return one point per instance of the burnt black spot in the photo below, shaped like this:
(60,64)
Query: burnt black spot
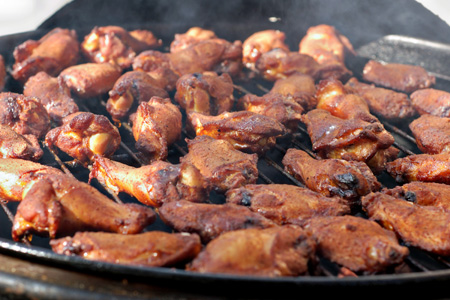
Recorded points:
(246,199)
(410,196)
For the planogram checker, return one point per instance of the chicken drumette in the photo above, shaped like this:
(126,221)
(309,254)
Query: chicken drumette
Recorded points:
(14,145)
(192,36)
(432,133)
(431,101)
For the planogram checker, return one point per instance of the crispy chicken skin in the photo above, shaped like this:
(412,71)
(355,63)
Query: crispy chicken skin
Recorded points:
(2,73)
(356,243)
(432,133)
(156,126)
(52,53)
(84,134)
(192,36)
(89,80)
(210,220)
(245,130)
(287,204)
(424,227)
(131,89)
(57,205)
(53,94)
(331,177)
(431,101)
(401,77)
(207,93)
(421,167)
(117,45)
(271,252)
(221,165)
(14,145)
(25,115)
(150,249)
(153,184)
(389,104)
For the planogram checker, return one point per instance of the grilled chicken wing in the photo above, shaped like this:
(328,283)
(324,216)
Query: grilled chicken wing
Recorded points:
(192,36)
(131,89)
(358,244)
(285,203)
(431,101)
(156,125)
(117,45)
(272,252)
(91,79)
(2,73)
(425,227)
(389,104)
(52,53)
(221,165)
(246,131)
(207,93)
(432,133)
(210,220)
(57,205)
(25,115)
(153,184)
(331,177)
(84,134)
(150,249)
(14,145)
(401,77)
(53,94)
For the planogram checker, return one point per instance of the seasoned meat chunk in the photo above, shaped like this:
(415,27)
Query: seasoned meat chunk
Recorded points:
(431,101)
(192,36)
(432,133)
(14,145)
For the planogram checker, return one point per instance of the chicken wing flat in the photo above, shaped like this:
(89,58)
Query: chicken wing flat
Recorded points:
(210,220)
(25,115)
(424,227)
(153,184)
(114,44)
(150,249)
(156,126)
(356,243)
(192,36)
(52,53)
(84,134)
(431,101)
(53,94)
(331,177)
(271,252)
(287,204)
(57,205)
(432,133)
(389,104)
(421,167)
(14,145)
(2,73)
(131,89)
(401,77)
(245,130)
(207,93)
(221,165)
(91,79)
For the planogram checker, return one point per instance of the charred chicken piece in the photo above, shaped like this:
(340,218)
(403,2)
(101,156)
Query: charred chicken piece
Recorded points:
(57,205)
(53,94)
(424,227)
(389,104)
(207,93)
(150,249)
(401,77)
(431,101)
(25,115)
(245,130)
(84,134)
(153,184)
(52,53)
(14,145)
(131,89)
(192,36)
(358,244)
(328,47)
(210,220)
(271,252)
(221,165)
(331,177)
(287,204)
(432,133)
(2,73)
(116,45)
(91,79)
(421,167)
(156,126)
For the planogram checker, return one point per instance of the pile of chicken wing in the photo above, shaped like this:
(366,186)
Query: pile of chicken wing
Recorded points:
(339,210)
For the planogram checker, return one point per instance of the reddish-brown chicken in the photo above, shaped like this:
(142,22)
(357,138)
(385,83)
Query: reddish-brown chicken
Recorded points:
(432,133)
(431,101)
(192,36)
(14,145)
